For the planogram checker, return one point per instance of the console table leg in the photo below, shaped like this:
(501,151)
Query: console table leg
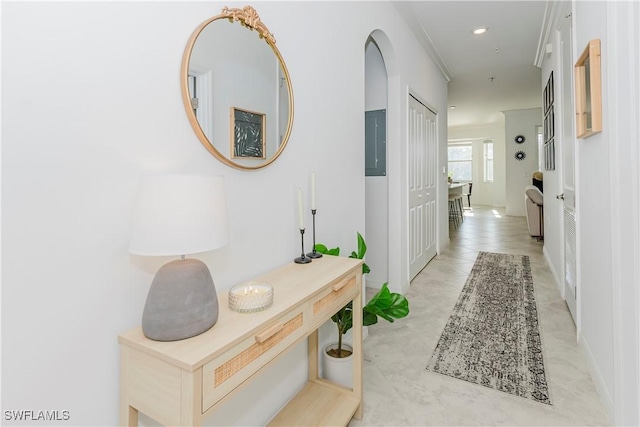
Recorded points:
(357,349)
(312,350)
(358,414)
(129,416)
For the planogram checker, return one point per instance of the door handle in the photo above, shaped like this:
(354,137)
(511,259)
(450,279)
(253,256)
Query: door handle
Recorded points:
(560,196)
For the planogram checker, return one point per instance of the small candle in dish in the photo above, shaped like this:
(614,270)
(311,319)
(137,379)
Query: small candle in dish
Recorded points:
(250,297)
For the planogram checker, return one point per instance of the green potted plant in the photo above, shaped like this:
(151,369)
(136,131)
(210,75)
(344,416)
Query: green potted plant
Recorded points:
(385,304)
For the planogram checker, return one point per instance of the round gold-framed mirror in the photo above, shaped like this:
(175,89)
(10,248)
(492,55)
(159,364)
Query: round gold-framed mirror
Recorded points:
(236,89)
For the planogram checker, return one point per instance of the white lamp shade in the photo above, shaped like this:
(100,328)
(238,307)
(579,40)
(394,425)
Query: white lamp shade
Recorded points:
(179,215)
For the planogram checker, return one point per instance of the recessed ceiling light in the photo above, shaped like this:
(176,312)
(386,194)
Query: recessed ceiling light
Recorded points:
(480,30)
(453,107)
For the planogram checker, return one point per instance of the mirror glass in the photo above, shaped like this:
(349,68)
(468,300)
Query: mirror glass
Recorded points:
(588,91)
(236,90)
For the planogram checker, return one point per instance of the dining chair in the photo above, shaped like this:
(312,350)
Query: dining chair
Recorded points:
(455,210)
(469,194)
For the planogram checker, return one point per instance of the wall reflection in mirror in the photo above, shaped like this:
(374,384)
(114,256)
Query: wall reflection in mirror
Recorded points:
(229,67)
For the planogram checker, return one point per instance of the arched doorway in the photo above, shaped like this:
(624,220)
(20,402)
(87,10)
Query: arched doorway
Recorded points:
(376,184)
(383,229)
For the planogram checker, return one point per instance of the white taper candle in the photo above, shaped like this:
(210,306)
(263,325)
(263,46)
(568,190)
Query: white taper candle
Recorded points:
(300,210)
(313,190)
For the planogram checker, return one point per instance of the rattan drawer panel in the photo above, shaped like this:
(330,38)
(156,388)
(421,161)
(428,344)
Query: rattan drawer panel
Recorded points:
(226,372)
(333,298)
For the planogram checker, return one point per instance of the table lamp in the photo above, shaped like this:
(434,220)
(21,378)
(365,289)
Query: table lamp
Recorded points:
(179,215)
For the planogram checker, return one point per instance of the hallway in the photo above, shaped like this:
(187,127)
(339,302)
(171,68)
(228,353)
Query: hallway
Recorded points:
(398,390)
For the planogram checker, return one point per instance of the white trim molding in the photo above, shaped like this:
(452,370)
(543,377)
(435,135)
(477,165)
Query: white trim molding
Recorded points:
(623,64)
(423,37)
(598,381)
(549,24)
(556,278)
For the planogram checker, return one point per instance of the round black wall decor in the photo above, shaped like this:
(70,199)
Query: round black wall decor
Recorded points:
(520,155)
(519,139)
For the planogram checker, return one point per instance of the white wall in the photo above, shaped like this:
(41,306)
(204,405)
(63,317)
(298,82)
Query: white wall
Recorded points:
(608,199)
(518,173)
(594,219)
(92,101)
(485,193)
(612,341)
(553,185)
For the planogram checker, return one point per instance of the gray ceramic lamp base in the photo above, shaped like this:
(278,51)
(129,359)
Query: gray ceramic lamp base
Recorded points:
(182,302)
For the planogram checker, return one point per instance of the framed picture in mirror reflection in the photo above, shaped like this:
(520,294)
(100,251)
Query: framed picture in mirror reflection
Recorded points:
(248,134)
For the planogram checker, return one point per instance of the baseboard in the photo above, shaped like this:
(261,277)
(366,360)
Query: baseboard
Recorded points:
(605,397)
(374,284)
(554,273)
(442,245)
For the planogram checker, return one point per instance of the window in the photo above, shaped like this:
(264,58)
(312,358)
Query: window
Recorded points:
(460,157)
(487,148)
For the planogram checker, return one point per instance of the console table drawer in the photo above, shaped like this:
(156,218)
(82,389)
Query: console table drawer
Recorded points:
(334,297)
(223,374)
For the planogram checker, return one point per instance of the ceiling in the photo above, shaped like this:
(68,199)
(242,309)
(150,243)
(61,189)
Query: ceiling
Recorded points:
(488,73)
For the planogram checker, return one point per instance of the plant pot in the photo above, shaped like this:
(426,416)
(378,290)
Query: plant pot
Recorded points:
(338,370)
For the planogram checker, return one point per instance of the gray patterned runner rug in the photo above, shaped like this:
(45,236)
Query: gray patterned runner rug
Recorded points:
(492,337)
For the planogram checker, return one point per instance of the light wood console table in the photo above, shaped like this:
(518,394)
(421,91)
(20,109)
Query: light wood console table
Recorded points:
(182,382)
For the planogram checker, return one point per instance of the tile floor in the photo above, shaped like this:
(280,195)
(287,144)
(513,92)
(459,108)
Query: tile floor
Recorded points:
(399,391)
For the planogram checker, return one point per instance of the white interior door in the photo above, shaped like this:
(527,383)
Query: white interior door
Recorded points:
(423,139)
(568,169)
(200,84)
